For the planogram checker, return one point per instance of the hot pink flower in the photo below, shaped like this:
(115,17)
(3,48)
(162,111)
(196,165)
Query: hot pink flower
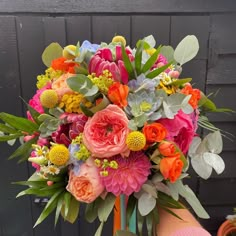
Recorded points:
(181,129)
(87,185)
(103,60)
(35,101)
(105,133)
(131,174)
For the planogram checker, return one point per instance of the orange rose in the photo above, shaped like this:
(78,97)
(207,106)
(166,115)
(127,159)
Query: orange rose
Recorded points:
(62,64)
(118,93)
(85,186)
(195,95)
(167,149)
(154,132)
(171,168)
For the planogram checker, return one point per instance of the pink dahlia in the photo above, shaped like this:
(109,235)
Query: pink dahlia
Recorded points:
(104,60)
(131,174)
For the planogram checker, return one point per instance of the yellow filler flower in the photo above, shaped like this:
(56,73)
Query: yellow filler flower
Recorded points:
(136,141)
(59,155)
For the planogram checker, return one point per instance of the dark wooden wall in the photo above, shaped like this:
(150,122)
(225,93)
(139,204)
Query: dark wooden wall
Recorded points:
(27,27)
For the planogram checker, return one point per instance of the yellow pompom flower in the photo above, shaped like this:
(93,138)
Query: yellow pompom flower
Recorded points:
(151,51)
(59,155)
(49,98)
(119,39)
(136,141)
(67,52)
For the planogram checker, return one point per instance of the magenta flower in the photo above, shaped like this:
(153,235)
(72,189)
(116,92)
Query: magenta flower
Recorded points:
(131,174)
(103,60)
(181,129)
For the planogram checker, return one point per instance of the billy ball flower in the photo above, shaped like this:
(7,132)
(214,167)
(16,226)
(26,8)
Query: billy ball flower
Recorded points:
(69,52)
(119,39)
(136,141)
(59,155)
(49,98)
(131,174)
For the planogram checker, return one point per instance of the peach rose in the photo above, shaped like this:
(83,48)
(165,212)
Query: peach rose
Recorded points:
(171,168)
(105,133)
(60,85)
(167,149)
(86,186)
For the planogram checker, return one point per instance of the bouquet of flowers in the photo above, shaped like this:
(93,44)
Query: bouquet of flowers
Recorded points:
(109,121)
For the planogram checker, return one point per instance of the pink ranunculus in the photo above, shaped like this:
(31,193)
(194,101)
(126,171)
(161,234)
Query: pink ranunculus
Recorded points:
(105,133)
(86,186)
(35,103)
(103,60)
(181,129)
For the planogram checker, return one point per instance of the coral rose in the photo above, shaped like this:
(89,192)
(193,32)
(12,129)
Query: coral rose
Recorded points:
(181,129)
(87,185)
(106,132)
(171,168)
(195,95)
(167,149)
(154,132)
(118,93)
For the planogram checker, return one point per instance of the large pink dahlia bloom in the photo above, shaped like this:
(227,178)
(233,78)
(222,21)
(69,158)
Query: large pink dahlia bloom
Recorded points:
(131,174)
(104,60)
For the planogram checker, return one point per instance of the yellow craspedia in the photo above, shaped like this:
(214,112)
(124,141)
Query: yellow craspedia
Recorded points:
(49,98)
(136,141)
(59,155)
(119,39)
(66,52)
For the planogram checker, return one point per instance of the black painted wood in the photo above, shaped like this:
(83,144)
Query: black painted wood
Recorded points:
(158,26)
(121,6)
(11,209)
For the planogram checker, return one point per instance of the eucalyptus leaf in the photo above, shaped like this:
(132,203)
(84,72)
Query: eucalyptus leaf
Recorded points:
(99,230)
(214,142)
(150,40)
(51,52)
(130,207)
(186,50)
(215,161)
(149,223)
(106,207)
(91,210)
(124,233)
(150,189)
(146,203)
(167,52)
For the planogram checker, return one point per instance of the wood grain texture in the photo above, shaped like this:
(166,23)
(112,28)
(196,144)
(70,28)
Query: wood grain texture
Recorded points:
(121,6)
(10,171)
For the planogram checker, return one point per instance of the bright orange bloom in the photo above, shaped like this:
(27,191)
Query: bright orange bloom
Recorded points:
(118,93)
(196,95)
(154,132)
(167,149)
(171,168)
(61,64)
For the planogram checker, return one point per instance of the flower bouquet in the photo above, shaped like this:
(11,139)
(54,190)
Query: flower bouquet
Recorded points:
(113,124)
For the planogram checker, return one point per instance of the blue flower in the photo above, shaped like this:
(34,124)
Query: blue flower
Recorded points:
(87,46)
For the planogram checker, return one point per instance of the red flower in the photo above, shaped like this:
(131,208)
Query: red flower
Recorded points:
(61,64)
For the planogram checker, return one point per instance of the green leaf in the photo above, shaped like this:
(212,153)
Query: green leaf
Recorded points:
(156,72)
(155,215)
(124,233)
(67,199)
(7,129)
(150,62)
(102,105)
(91,211)
(167,201)
(73,210)
(106,207)
(138,58)
(140,220)
(99,230)
(36,184)
(86,110)
(186,50)
(180,82)
(5,138)
(167,52)
(19,123)
(24,150)
(38,192)
(149,223)
(130,207)
(127,62)
(171,212)
(51,205)
(58,209)
(51,52)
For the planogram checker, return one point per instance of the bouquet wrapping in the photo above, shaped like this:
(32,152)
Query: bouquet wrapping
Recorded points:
(115,127)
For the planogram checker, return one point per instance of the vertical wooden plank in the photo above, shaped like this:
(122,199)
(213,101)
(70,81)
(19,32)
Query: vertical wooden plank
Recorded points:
(104,28)
(30,30)
(199,26)
(54,30)
(78,29)
(158,26)
(11,210)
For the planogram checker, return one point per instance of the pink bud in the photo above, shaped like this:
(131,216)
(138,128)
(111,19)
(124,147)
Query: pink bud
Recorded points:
(174,74)
(160,64)
(50,183)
